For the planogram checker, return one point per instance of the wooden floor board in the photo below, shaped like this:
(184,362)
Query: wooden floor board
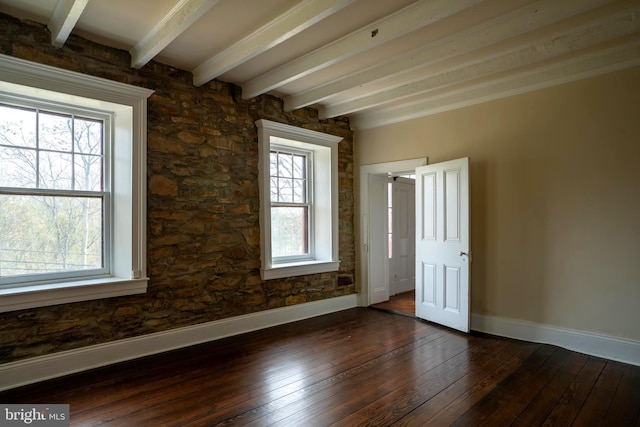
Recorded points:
(537,411)
(331,401)
(238,379)
(341,369)
(424,376)
(507,402)
(358,367)
(625,405)
(466,402)
(569,405)
(397,402)
(427,410)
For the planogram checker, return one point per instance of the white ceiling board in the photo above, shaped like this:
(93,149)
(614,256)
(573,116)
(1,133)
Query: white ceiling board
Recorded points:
(393,53)
(183,15)
(535,27)
(471,54)
(553,73)
(225,24)
(351,18)
(121,23)
(288,25)
(406,20)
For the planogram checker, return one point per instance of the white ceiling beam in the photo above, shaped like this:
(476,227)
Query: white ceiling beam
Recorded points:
(482,65)
(64,18)
(181,17)
(572,69)
(406,20)
(509,25)
(294,21)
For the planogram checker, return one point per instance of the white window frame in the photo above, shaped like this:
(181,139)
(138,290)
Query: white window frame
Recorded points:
(309,203)
(128,106)
(324,181)
(107,120)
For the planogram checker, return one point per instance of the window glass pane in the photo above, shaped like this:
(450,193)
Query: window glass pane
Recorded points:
(17,126)
(274,189)
(285,165)
(87,136)
(299,166)
(55,132)
(288,177)
(55,170)
(299,191)
(273,164)
(17,167)
(285,190)
(88,173)
(289,231)
(44,234)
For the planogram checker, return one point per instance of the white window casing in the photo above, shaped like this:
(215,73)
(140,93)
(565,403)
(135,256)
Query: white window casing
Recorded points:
(128,106)
(324,227)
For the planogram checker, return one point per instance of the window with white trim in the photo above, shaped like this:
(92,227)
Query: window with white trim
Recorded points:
(298,200)
(72,186)
(55,199)
(291,202)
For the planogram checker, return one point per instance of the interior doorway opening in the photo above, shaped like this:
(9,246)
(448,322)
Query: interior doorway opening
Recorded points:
(401,225)
(374,227)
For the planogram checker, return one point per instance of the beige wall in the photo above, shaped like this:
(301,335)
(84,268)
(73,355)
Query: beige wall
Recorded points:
(555,199)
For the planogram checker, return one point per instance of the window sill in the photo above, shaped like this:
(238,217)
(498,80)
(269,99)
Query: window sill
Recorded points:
(21,298)
(298,269)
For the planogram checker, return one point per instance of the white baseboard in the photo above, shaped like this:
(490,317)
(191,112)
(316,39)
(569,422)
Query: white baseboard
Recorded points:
(627,351)
(28,371)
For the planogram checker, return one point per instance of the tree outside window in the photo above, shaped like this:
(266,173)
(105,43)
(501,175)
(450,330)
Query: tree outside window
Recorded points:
(52,192)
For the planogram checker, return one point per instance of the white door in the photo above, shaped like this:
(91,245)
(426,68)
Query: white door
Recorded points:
(443,243)
(402,261)
(378,272)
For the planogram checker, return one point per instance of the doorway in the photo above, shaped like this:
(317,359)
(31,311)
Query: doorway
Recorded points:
(374,263)
(442,222)
(401,246)
(401,220)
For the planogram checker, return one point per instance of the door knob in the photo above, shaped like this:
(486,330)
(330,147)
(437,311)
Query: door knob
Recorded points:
(468,254)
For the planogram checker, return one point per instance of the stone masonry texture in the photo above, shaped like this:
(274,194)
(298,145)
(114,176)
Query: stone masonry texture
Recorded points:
(203,236)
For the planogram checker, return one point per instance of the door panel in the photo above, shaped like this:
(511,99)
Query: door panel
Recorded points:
(428,218)
(403,261)
(452,205)
(427,294)
(442,243)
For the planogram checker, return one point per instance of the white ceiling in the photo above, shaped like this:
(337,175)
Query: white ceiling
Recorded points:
(378,61)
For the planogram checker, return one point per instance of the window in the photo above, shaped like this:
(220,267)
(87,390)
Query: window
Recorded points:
(290,203)
(54,194)
(298,200)
(72,186)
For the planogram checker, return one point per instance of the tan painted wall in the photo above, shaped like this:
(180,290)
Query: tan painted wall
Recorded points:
(555,199)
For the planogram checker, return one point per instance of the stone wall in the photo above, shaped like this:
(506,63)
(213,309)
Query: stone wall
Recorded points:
(203,234)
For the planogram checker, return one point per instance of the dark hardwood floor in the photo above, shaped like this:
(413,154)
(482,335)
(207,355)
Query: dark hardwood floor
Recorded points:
(403,303)
(355,367)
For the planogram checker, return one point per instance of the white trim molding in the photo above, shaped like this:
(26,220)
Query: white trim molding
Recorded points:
(28,371)
(613,348)
(128,106)
(323,227)
(21,298)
